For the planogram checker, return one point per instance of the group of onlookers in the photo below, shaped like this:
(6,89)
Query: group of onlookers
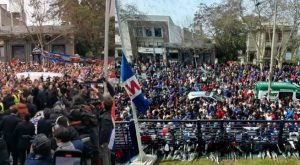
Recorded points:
(39,117)
(167,87)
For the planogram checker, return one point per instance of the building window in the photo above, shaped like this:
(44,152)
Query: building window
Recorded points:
(159,44)
(139,32)
(268,52)
(157,32)
(18,52)
(60,49)
(269,37)
(141,44)
(279,37)
(148,32)
(2,51)
(150,44)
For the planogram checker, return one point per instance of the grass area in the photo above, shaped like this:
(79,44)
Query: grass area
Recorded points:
(232,162)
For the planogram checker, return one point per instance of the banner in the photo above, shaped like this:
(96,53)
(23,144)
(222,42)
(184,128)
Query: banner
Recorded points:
(64,58)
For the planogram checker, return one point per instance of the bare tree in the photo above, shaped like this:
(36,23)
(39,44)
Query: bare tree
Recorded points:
(38,12)
(260,22)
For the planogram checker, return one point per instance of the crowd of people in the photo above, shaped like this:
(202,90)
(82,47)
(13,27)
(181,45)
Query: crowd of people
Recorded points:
(41,116)
(167,87)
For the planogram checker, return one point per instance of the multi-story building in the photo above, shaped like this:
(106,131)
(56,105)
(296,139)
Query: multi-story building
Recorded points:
(17,39)
(259,43)
(156,37)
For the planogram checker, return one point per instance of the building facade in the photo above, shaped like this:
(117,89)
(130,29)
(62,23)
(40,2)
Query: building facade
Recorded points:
(156,38)
(259,44)
(17,40)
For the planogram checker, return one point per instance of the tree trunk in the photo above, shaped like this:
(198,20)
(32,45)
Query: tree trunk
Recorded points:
(280,61)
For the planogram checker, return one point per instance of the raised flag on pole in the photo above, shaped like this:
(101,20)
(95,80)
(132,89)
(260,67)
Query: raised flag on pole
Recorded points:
(132,87)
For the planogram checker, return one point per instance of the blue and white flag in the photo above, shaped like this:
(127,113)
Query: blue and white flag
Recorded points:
(132,87)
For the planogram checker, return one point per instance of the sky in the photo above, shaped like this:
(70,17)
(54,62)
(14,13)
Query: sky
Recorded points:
(181,11)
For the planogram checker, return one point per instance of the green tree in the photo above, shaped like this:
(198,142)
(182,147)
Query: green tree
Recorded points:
(222,24)
(87,17)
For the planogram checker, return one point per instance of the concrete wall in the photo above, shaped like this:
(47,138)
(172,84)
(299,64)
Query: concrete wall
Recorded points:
(5,18)
(8,45)
(132,25)
(175,33)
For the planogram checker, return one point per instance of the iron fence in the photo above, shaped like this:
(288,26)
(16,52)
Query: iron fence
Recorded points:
(155,134)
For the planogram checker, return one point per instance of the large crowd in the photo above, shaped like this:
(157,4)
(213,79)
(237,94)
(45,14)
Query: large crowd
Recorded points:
(167,87)
(39,117)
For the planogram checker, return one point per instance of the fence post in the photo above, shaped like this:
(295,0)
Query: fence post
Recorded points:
(199,130)
(280,133)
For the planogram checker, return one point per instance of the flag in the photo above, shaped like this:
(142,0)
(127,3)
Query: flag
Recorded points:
(132,87)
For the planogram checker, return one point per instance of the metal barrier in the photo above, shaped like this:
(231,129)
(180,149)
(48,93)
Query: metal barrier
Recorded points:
(155,134)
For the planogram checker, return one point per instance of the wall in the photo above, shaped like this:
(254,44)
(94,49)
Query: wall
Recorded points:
(132,24)
(175,33)
(6,17)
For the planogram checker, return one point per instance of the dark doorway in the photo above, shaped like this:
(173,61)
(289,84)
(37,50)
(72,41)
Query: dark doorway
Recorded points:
(18,52)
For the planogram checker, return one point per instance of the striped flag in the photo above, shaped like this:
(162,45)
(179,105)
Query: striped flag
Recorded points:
(132,87)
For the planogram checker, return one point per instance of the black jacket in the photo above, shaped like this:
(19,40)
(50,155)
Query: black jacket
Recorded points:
(32,109)
(7,126)
(52,98)
(4,157)
(23,128)
(105,127)
(41,100)
(8,101)
(44,126)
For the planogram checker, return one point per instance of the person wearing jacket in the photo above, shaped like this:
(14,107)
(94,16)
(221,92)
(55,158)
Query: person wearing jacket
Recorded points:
(4,157)
(8,99)
(105,130)
(41,98)
(7,126)
(41,151)
(44,125)
(22,135)
(63,121)
(63,138)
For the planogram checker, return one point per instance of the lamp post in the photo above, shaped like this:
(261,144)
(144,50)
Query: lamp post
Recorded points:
(272,49)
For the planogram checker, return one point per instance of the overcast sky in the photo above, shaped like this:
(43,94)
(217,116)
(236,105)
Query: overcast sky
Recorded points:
(181,11)
(28,10)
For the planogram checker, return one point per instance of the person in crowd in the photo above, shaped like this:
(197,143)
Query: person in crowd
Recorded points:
(45,100)
(22,135)
(44,125)
(63,121)
(63,138)
(31,107)
(7,127)
(168,86)
(40,151)
(4,157)
(105,129)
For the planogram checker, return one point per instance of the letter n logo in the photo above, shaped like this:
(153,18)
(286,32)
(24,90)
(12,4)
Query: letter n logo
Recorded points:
(133,87)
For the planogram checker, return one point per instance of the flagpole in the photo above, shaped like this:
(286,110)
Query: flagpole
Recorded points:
(137,130)
(142,158)
(120,26)
(134,115)
(106,40)
(106,37)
